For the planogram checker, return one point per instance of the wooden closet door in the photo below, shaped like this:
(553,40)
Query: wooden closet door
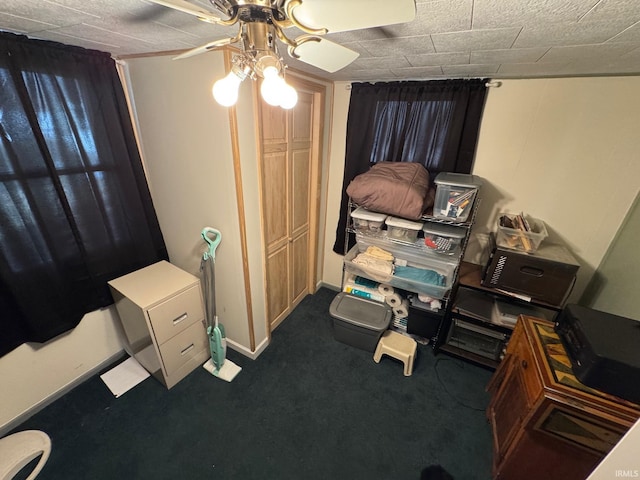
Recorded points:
(300,141)
(275,209)
(287,176)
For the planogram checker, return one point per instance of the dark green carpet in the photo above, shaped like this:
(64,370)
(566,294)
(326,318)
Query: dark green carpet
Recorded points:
(308,408)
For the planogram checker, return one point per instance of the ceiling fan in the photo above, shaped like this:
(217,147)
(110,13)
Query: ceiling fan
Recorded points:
(261,22)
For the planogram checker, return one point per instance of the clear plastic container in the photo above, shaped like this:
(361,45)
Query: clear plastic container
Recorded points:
(455,194)
(367,221)
(405,256)
(444,239)
(516,238)
(402,229)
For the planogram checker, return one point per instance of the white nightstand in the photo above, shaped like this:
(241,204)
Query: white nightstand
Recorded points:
(162,313)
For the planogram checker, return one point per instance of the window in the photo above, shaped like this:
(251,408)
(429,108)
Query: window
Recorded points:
(75,209)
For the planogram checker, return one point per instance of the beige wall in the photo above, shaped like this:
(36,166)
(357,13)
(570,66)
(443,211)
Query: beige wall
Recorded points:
(614,287)
(35,374)
(332,267)
(186,143)
(562,150)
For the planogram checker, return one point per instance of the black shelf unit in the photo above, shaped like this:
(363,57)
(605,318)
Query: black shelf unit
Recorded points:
(432,321)
(479,314)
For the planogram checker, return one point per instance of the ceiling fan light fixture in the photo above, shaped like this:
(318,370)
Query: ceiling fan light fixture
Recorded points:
(262,22)
(288,97)
(276,91)
(225,90)
(272,86)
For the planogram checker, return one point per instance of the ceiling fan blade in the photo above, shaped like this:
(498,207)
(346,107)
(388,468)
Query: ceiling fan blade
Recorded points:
(205,48)
(322,53)
(341,16)
(190,8)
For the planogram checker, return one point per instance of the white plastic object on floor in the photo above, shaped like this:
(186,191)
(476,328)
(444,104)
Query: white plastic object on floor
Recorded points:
(399,347)
(20,448)
(227,372)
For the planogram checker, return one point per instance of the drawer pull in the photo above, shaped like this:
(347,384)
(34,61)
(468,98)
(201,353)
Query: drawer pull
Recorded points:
(187,350)
(179,319)
(524,364)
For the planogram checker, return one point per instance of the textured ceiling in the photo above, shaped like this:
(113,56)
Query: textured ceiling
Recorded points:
(448,38)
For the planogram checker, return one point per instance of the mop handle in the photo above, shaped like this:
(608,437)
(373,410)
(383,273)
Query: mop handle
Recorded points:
(213,244)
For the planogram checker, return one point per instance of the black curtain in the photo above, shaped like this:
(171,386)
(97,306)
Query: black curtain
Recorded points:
(434,123)
(75,209)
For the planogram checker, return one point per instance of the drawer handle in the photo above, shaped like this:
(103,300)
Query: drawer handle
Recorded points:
(524,364)
(179,319)
(187,350)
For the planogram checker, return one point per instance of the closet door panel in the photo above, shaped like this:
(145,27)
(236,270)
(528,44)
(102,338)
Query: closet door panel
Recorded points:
(301,130)
(299,267)
(300,171)
(274,126)
(278,291)
(274,171)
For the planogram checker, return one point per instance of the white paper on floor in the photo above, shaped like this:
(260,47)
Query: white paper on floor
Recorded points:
(124,377)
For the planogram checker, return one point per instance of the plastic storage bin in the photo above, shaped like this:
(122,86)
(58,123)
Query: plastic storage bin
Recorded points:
(405,256)
(443,238)
(366,221)
(403,230)
(510,236)
(359,322)
(455,194)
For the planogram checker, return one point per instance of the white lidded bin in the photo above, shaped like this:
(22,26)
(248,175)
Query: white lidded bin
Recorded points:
(367,221)
(402,229)
(443,238)
(455,194)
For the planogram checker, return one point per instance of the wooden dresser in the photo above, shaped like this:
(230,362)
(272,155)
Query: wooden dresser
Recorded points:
(546,424)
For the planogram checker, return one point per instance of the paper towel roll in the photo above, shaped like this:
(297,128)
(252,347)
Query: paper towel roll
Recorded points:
(402,310)
(393,300)
(386,289)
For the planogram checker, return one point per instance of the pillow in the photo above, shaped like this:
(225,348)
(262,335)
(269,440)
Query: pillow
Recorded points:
(395,188)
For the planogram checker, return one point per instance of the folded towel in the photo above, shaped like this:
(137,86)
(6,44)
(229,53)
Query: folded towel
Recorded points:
(379,253)
(373,263)
(421,275)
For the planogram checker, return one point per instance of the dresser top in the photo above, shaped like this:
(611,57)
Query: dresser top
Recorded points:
(558,374)
(152,284)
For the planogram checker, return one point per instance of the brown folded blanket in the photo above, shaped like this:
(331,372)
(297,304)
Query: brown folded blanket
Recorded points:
(395,188)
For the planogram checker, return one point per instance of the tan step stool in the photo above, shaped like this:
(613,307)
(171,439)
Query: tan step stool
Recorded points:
(399,347)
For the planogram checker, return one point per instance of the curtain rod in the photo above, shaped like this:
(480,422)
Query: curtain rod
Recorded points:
(489,84)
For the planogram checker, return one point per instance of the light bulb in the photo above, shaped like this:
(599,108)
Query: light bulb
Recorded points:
(272,86)
(288,97)
(225,90)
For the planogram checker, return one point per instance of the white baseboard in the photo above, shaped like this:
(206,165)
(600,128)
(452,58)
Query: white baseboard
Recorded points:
(329,286)
(245,351)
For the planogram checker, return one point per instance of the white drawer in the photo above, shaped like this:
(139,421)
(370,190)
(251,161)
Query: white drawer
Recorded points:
(176,314)
(183,347)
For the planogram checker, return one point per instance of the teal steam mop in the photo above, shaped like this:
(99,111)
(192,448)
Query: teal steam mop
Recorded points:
(218,365)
